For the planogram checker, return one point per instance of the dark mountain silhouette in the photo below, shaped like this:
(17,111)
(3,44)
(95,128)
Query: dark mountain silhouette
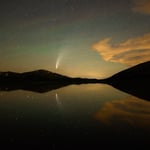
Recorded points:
(140,71)
(135,80)
(33,76)
(38,81)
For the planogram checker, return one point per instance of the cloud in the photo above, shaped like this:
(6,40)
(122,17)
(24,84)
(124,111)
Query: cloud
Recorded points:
(142,6)
(133,111)
(130,52)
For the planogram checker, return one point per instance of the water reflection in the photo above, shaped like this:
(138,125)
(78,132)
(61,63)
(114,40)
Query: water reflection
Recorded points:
(67,114)
(58,100)
(137,88)
(126,112)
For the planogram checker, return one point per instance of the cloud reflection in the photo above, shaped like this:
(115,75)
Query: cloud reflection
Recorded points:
(133,112)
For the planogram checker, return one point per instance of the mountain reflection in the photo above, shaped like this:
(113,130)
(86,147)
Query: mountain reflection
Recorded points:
(131,112)
(139,89)
(38,87)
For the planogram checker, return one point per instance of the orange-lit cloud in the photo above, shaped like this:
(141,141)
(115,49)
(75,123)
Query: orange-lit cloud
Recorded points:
(142,6)
(130,52)
(134,112)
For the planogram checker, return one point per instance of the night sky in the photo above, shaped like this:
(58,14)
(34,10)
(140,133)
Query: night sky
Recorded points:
(85,38)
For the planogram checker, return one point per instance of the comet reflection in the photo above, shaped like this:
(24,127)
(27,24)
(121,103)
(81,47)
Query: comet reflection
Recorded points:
(58,101)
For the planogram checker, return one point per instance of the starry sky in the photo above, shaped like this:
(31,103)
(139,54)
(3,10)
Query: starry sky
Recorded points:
(85,38)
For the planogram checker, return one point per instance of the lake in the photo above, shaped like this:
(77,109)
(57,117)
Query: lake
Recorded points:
(76,113)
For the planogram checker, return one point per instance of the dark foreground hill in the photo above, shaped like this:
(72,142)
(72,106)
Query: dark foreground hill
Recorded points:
(135,80)
(138,72)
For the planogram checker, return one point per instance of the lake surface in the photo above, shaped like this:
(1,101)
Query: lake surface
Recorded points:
(76,113)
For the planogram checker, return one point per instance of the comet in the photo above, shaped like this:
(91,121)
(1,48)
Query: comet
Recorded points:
(58,60)
(60,57)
